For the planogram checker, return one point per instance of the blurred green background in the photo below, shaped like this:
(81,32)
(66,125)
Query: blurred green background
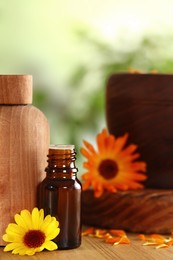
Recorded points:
(72,46)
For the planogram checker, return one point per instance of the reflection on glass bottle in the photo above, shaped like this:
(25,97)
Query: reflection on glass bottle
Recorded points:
(60,195)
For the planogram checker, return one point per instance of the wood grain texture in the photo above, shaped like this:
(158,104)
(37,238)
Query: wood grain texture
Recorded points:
(142,105)
(142,211)
(15,89)
(24,142)
(96,249)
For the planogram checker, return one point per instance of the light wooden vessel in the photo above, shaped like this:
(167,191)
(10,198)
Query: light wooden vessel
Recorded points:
(24,142)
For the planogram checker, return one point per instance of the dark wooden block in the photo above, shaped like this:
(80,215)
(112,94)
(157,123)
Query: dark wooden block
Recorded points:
(146,211)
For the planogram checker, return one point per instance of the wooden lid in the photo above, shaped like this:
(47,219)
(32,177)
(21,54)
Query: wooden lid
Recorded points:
(15,89)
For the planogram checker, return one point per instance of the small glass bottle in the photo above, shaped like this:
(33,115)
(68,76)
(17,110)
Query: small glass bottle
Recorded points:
(60,195)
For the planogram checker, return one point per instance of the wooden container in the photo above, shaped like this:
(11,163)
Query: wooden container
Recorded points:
(142,105)
(24,142)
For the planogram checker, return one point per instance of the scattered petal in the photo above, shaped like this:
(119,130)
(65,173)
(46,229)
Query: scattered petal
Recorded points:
(157,240)
(88,231)
(114,237)
(118,236)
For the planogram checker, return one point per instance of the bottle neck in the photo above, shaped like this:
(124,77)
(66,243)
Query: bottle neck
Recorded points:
(61,162)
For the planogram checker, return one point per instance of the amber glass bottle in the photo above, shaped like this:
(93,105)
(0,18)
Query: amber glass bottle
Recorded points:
(60,195)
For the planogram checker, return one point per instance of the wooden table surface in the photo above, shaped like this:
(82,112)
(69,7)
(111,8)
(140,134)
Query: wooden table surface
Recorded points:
(96,249)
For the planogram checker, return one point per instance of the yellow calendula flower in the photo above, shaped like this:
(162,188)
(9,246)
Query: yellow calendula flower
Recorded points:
(113,167)
(31,233)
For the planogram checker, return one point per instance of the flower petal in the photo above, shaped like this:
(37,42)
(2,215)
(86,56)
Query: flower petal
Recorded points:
(46,223)
(35,218)
(24,219)
(50,245)
(90,147)
(86,153)
(52,226)
(41,215)
(53,234)
(11,246)
(15,229)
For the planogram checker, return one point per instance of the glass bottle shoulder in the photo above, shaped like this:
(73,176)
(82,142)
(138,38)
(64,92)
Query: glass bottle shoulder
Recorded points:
(60,183)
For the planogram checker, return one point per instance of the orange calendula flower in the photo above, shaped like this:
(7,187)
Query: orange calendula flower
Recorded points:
(113,167)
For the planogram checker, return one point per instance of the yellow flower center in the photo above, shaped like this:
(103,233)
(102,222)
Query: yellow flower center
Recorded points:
(108,169)
(34,238)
